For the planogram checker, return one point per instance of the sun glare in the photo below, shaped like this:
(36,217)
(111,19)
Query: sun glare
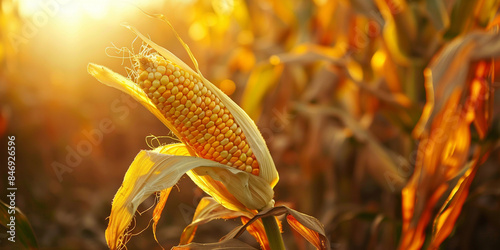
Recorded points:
(61,19)
(67,10)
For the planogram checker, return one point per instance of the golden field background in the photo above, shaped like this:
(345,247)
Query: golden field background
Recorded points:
(340,90)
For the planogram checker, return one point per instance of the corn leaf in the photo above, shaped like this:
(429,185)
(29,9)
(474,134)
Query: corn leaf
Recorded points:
(450,210)
(307,226)
(445,220)
(207,210)
(258,231)
(437,14)
(310,235)
(447,73)
(444,133)
(441,157)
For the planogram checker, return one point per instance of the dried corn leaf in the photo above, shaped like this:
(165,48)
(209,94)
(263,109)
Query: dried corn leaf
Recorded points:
(447,73)
(441,157)
(207,210)
(256,229)
(307,225)
(310,235)
(445,220)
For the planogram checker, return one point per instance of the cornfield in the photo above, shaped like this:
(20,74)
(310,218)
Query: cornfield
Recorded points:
(361,124)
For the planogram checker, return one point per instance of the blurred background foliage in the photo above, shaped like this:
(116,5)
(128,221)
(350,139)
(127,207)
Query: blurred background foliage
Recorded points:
(369,108)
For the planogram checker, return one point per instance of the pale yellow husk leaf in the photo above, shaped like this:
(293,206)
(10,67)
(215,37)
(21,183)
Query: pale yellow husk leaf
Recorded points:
(152,171)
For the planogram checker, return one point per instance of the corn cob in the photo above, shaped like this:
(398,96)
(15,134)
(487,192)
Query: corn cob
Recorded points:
(198,115)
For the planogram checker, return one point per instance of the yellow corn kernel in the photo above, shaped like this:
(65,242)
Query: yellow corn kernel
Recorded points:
(199,116)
